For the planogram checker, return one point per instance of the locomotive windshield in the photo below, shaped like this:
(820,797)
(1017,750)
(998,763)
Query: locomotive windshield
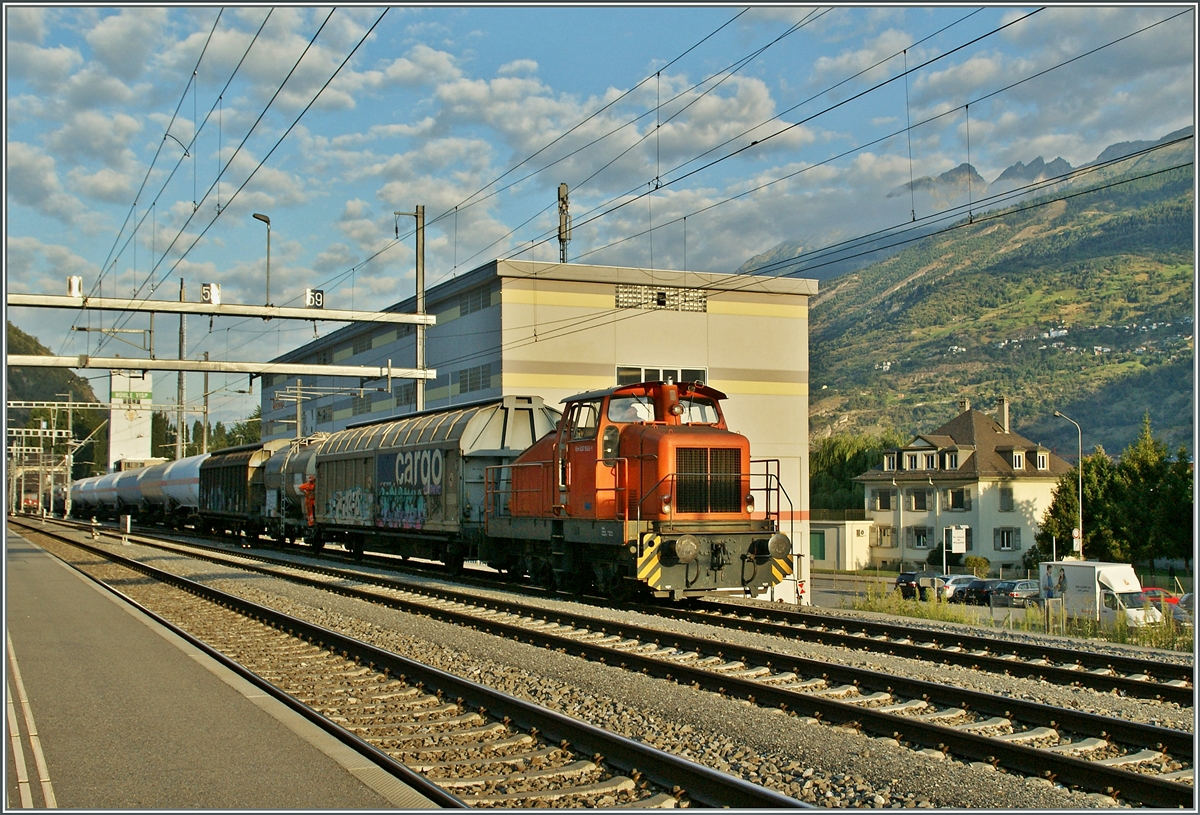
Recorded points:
(630,409)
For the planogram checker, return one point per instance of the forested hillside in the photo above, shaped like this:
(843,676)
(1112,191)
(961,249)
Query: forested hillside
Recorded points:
(1080,302)
(45,385)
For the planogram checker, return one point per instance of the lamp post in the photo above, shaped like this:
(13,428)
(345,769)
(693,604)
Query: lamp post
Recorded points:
(1080,431)
(259,216)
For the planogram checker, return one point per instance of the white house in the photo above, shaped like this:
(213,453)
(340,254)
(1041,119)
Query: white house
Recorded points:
(972,472)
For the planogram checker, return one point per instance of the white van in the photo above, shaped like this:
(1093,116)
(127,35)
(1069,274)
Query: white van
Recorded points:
(1104,592)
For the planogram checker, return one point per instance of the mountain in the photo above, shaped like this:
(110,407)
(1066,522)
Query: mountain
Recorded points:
(1080,303)
(824,257)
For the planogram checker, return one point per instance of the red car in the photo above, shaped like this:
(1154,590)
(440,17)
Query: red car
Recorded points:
(1158,596)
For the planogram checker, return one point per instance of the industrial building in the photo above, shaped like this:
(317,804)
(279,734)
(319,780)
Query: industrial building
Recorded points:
(553,330)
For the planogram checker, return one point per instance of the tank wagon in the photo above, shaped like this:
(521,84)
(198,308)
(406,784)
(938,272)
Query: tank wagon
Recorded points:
(171,492)
(638,488)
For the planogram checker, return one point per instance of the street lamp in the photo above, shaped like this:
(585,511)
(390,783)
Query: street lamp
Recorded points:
(259,216)
(1080,431)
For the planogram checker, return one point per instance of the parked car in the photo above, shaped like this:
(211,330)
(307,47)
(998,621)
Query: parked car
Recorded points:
(908,584)
(1015,593)
(1158,596)
(1184,611)
(954,584)
(977,591)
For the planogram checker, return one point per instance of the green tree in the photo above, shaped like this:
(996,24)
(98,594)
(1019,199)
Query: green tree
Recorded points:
(1136,510)
(247,432)
(1141,477)
(833,463)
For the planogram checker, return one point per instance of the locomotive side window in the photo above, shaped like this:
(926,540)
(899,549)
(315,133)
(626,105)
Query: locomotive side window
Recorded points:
(584,419)
(697,410)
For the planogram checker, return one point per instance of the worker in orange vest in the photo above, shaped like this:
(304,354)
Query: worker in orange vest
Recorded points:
(309,488)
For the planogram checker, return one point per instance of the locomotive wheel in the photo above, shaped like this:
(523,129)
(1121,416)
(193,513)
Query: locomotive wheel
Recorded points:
(454,564)
(317,544)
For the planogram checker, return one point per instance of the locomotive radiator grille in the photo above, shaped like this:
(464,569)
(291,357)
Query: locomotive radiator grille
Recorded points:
(708,480)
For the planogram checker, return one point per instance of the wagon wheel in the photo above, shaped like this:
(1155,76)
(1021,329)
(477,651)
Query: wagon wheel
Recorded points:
(543,575)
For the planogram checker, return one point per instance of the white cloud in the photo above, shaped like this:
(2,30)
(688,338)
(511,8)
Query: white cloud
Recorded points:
(25,25)
(92,135)
(33,181)
(123,42)
(518,66)
(105,184)
(43,68)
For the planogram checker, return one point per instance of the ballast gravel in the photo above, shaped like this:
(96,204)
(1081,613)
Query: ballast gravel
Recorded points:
(828,766)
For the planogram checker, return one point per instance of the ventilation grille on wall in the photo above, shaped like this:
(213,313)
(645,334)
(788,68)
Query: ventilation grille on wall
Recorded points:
(669,299)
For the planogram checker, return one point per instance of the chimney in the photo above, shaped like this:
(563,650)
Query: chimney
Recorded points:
(964,405)
(1002,409)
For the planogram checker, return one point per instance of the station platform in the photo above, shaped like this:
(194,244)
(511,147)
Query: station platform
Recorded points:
(128,715)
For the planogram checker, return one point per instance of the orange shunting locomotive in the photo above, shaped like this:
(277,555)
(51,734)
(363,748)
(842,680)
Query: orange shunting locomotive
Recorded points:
(641,488)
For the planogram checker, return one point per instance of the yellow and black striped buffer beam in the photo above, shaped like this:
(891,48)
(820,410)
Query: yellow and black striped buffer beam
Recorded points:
(781,567)
(649,564)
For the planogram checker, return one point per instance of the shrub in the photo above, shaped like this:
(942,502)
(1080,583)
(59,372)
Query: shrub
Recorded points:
(979,566)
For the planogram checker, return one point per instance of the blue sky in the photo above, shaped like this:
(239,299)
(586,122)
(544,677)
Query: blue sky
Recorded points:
(438,104)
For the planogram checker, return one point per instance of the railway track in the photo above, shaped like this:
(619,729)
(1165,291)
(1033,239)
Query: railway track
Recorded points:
(1147,678)
(1141,763)
(1132,676)
(457,742)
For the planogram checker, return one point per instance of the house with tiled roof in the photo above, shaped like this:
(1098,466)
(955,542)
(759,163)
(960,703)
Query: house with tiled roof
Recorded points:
(973,475)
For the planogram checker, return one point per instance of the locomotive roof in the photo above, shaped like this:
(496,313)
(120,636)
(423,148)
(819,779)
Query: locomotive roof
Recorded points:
(702,390)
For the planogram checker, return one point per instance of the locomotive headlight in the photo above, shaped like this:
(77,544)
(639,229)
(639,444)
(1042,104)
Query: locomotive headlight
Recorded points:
(686,548)
(779,545)
(666,505)
(749,502)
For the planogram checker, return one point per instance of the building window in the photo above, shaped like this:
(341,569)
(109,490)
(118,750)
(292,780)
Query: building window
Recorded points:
(1018,460)
(1043,461)
(918,537)
(1006,499)
(910,461)
(631,375)
(816,544)
(1007,539)
(360,405)
(948,538)
(476,299)
(952,461)
(931,461)
(324,356)
(325,414)
(362,344)
(959,499)
(918,500)
(405,395)
(889,461)
(883,500)
(882,537)
(475,379)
